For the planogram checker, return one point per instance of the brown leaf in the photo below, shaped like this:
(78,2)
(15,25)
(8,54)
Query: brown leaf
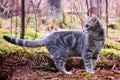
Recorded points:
(56,78)
(114,70)
(77,70)
(97,71)
(109,77)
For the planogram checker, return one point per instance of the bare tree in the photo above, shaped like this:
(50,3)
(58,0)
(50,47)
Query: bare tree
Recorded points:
(34,10)
(107,17)
(87,7)
(91,3)
(99,8)
(117,8)
(54,9)
(22,19)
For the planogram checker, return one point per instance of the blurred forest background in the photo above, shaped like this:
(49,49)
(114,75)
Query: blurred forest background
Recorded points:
(35,19)
(62,13)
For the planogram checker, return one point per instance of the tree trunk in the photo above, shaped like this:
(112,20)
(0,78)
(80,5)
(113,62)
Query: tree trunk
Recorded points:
(107,17)
(117,8)
(99,8)
(54,9)
(87,7)
(22,19)
(91,3)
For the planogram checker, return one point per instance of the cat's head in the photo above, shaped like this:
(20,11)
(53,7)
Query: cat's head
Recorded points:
(92,25)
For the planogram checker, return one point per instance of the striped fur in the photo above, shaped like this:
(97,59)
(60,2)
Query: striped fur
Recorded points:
(65,44)
(25,43)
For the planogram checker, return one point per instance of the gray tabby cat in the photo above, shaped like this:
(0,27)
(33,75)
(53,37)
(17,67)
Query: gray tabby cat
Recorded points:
(65,44)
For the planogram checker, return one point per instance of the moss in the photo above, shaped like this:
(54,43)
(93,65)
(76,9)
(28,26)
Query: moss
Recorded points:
(30,33)
(112,45)
(70,22)
(114,34)
(64,17)
(111,54)
(7,49)
(117,26)
(40,73)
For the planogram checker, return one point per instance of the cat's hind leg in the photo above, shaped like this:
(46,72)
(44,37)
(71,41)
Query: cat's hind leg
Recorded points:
(61,66)
(60,58)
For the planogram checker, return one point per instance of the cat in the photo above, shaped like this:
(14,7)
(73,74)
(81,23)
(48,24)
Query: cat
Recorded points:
(65,44)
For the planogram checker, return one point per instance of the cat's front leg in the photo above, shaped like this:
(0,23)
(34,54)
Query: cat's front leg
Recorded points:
(95,59)
(88,62)
(90,67)
(94,63)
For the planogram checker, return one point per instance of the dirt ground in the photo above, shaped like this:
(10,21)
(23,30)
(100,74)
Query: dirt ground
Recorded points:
(17,67)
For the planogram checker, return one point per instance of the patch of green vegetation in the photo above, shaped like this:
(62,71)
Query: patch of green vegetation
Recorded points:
(112,45)
(114,33)
(31,16)
(64,17)
(6,49)
(17,20)
(30,33)
(1,34)
(40,73)
(69,23)
(111,54)
(6,21)
(117,25)
(85,74)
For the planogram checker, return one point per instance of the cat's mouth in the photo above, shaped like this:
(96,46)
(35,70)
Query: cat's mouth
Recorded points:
(85,31)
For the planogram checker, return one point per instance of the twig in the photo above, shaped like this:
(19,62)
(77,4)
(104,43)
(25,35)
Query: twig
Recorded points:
(77,12)
(34,10)
(39,4)
(115,71)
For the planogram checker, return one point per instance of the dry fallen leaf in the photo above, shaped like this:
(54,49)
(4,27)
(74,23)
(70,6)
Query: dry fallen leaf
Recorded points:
(114,70)
(74,70)
(56,78)
(109,77)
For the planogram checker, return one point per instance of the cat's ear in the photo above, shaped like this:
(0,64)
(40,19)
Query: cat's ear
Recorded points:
(94,17)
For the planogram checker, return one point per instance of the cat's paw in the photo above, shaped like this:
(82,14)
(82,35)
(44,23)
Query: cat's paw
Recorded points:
(91,71)
(68,73)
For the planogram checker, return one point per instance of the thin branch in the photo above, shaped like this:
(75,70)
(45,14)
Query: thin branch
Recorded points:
(39,4)
(87,7)
(11,21)
(107,17)
(34,10)
(114,70)
(22,19)
(77,12)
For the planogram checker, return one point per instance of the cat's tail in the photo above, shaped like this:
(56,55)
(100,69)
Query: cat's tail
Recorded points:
(25,43)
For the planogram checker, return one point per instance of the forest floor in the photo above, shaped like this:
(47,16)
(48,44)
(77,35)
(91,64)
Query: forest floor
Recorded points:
(17,67)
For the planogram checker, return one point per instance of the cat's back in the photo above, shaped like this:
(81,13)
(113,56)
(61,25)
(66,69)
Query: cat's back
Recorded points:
(66,33)
(65,37)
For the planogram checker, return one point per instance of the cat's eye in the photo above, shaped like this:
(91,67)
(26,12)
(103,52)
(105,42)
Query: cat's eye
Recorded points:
(87,26)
